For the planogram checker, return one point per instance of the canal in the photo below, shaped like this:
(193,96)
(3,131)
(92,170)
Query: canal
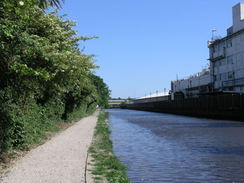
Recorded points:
(158,148)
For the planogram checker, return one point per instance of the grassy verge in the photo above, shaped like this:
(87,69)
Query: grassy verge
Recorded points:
(105,164)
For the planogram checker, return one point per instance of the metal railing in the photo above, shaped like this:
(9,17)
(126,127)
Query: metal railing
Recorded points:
(235,82)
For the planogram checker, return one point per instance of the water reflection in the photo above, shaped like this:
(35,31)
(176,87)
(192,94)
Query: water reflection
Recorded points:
(169,148)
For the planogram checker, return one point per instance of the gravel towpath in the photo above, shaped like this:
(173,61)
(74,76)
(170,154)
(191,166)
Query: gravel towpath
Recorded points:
(60,160)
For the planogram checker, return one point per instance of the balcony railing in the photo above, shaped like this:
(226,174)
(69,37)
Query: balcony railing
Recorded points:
(217,55)
(235,82)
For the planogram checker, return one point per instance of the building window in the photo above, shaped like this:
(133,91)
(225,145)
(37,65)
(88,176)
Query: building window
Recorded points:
(219,48)
(223,62)
(218,77)
(230,59)
(231,75)
(229,43)
(219,63)
(224,76)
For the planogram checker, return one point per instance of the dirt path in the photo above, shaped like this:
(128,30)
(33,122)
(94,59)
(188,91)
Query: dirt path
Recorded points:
(62,159)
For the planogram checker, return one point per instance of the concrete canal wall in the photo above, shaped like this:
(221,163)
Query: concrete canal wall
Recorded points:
(225,106)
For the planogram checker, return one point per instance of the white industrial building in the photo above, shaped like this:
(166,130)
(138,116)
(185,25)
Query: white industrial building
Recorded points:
(226,56)
(193,85)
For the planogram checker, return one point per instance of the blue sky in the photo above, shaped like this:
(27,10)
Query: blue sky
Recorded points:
(144,44)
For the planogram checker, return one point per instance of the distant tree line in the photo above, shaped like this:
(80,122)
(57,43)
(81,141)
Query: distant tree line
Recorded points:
(44,76)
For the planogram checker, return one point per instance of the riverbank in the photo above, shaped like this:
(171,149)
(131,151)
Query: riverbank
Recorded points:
(61,159)
(104,166)
(221,106)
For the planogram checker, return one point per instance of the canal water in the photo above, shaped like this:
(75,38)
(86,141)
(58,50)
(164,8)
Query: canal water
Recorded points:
(158,148)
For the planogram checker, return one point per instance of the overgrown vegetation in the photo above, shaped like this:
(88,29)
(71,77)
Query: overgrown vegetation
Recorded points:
(105,164)
(44,77)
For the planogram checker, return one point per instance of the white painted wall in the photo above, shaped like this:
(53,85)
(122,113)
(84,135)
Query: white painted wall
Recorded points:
(232,63)
(232,66)
(196,80)
(238,17)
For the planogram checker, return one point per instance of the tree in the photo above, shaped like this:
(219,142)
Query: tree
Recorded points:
(45,3)
(102,91)
(44,76)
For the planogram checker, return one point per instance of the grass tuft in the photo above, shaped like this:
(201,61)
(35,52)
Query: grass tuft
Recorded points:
(104,163)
